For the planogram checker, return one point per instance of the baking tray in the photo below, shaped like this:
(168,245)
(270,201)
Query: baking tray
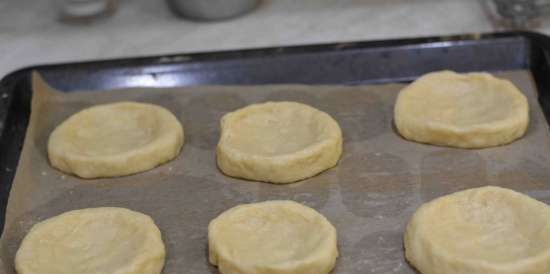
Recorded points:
(344,63)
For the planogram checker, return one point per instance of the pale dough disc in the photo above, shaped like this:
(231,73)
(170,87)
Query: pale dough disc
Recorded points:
(273,237)
(93,241)
(278,142)
(488,230)
(115,139)
(473,110)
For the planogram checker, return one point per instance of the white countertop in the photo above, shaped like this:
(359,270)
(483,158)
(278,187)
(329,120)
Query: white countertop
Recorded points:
(30,34)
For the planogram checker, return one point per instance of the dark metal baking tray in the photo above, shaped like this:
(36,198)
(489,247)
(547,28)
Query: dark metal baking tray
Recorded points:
(348,63)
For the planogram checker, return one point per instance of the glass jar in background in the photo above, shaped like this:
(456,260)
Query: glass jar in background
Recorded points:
(517,14)
(84,11)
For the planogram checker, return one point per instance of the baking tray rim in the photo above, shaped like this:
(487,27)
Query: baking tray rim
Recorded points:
(12,79)
(217,55)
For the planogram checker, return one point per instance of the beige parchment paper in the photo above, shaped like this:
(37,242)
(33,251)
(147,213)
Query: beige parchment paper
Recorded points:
(369,197)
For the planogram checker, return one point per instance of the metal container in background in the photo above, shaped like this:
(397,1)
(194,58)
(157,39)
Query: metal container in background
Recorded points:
(84,11)
(211,9)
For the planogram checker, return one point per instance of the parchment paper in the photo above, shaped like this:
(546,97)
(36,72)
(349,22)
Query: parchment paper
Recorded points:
(369,196)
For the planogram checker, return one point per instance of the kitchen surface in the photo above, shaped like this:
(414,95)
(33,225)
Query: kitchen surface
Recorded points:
(30,32)
(380,180)
(399,156)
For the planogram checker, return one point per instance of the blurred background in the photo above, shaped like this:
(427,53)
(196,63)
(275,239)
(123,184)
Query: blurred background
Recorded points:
(50,31)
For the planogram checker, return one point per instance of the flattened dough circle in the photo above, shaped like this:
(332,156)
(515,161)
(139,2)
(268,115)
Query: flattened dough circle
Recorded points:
(115,139)
(487,230)
(472,110)
(278,142)
(91,241)
(273,237)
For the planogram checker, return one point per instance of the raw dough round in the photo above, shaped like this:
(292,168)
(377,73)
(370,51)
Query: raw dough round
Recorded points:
(115,139)
(472,110)
(92,241)
(278,142)
(487,230)
(273,237)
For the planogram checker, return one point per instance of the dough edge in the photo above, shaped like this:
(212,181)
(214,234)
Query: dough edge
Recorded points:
(153,154)
(428,258)
(320,262)
(480,136)
(281,169)
(146,263)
